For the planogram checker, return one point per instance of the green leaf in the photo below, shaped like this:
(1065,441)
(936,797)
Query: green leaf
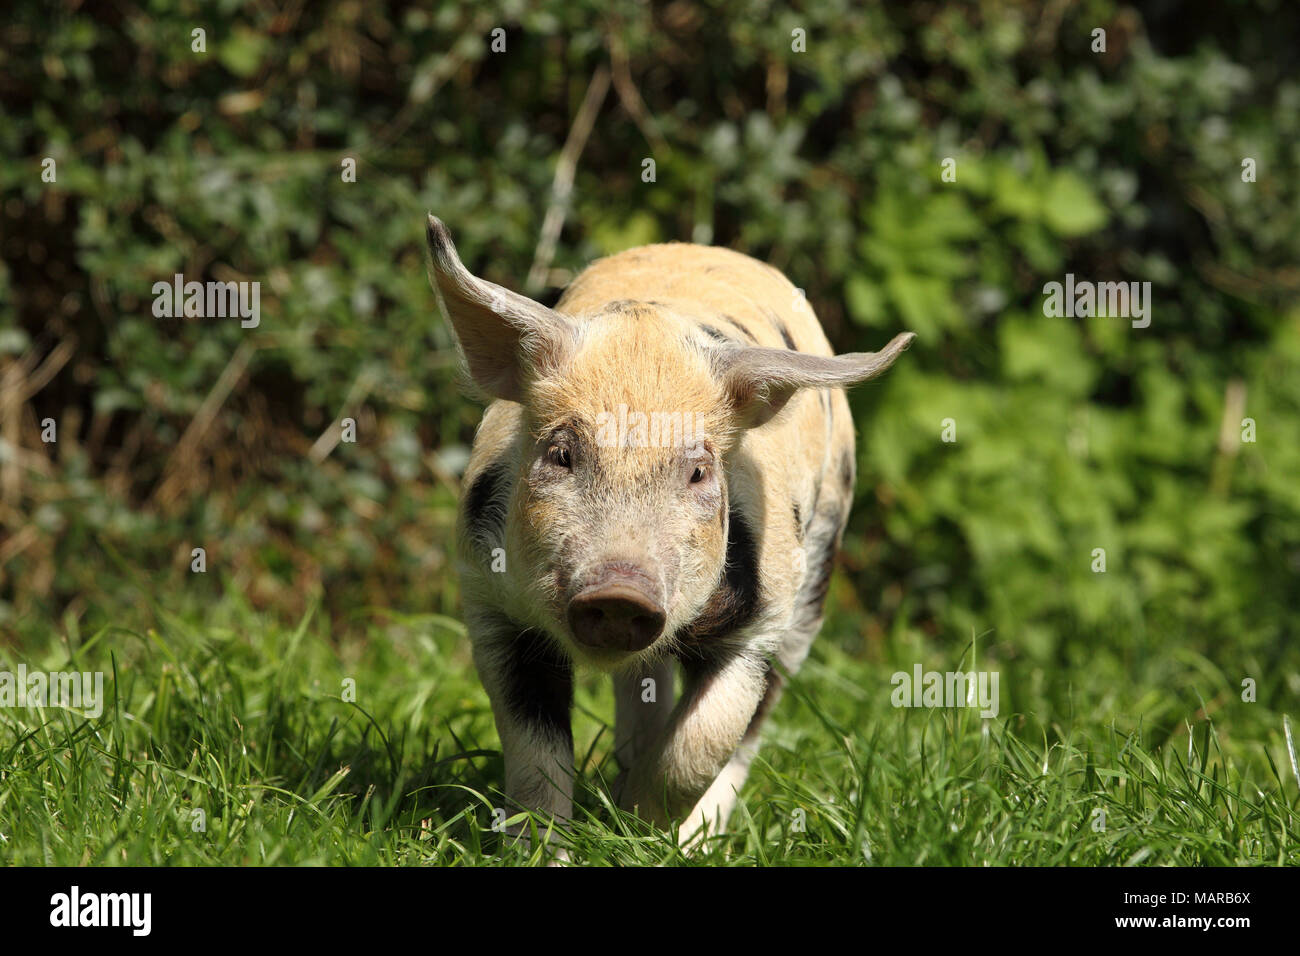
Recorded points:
(1071,208)
(866,301)
(243,51)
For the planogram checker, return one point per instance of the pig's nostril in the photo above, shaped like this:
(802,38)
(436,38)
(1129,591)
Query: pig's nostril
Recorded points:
(615,617)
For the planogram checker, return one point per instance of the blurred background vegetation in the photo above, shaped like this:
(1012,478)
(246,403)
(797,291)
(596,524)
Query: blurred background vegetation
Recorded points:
(1072,434)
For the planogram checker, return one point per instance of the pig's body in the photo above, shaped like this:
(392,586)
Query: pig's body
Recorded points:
(721,573)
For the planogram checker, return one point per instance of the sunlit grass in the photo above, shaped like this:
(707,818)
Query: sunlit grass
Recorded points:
(229,741)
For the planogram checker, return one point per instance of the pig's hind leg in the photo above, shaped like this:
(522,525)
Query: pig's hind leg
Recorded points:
(711,814)
(714,809)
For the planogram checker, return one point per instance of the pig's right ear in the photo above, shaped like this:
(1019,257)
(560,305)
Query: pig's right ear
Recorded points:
(506,338)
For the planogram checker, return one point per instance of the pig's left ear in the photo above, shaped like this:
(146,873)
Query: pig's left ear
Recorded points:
(506,338)
(759,382)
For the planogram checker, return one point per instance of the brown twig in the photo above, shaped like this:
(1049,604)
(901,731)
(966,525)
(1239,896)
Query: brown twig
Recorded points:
(171,482)
(332,435)
(562,184)
(630,96)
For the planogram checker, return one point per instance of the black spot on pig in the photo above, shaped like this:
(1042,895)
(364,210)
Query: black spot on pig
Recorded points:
(485,504)
(748,335)
(846,471)
(820,567)
(779,326)
(736,601)
(538,683)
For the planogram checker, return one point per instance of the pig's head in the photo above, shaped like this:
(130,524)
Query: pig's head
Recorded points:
(619,510)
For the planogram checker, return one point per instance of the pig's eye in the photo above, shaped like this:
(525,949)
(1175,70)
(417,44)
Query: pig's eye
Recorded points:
(699,473)
(560,455)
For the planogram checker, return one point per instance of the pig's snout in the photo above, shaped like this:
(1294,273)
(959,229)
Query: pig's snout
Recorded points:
(620,610)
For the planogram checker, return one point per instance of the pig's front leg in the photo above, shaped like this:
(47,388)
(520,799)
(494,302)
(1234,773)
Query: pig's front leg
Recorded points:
(643,703)
(708,723)
(530,685)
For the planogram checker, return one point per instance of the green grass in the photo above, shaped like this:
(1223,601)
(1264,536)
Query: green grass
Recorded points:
(243,719)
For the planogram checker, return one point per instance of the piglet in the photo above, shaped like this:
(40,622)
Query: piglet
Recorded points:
(660,482)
